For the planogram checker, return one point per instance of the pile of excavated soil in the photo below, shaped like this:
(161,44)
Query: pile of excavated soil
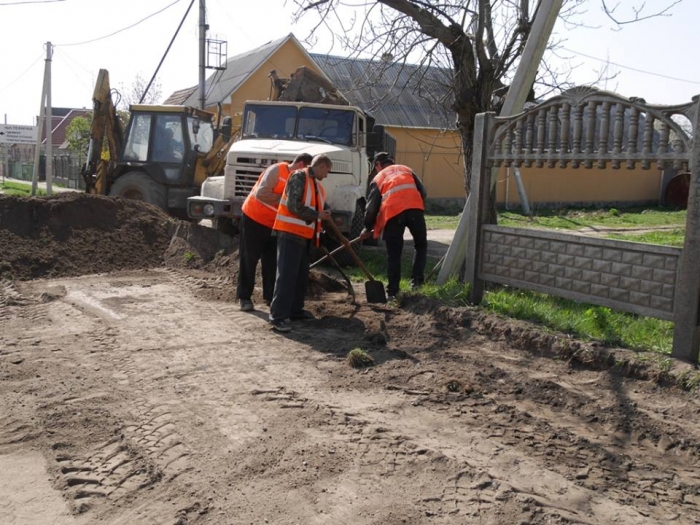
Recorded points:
(75,233)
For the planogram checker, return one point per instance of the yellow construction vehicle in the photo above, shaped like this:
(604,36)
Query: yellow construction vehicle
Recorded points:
(164,156)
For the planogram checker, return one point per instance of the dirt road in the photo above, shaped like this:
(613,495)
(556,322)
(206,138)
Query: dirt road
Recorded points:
(145,396)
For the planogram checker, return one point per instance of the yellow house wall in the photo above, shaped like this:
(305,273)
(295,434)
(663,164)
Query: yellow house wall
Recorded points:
(575,186)
(435,157)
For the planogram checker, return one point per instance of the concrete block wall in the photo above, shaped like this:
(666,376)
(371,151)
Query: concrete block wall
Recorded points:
(633,277)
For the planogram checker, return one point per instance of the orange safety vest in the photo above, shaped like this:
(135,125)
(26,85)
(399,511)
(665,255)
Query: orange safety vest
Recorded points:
(258,210)
(286,221)
(399,193)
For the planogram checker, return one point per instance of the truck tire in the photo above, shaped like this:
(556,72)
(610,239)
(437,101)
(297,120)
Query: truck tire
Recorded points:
(139,186)
(226,226)
(356,226)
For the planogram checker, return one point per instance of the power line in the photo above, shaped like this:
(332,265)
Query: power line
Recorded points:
(78,77)
(123,29)
(32,2)
(145,91)
(23,73)
(631,68)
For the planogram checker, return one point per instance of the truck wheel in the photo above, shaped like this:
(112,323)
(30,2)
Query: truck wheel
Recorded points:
(225,225)
(139,186)
(358,223)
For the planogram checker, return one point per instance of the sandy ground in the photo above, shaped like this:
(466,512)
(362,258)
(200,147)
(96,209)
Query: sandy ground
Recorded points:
(140,394)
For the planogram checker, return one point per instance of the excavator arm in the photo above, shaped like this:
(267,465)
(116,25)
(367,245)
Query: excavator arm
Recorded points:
(214,161)
(105,123)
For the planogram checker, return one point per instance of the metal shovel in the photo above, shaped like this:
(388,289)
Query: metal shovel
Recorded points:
(329,255)
(373,288)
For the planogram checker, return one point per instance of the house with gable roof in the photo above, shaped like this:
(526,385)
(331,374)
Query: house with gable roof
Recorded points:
(423,140)
(410,101)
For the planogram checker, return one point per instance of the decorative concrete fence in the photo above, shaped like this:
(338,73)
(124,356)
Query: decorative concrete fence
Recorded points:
(589,129)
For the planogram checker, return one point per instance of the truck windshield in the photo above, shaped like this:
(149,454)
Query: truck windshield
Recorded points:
(330,125)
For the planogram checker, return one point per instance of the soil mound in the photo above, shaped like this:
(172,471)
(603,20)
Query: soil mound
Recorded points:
(73,234)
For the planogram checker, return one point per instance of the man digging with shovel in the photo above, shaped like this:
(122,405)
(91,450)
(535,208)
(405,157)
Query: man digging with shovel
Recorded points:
(298,226)
(396,201)
(256,240)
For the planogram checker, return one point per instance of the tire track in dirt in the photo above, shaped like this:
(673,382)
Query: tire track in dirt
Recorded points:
(218,417)
(107,461)
(618,450)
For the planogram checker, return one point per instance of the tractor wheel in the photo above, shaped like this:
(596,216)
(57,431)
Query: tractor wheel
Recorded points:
(139,186)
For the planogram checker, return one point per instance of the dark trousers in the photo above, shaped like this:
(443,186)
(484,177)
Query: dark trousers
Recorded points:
(292,278)
(414,220)
(256,244)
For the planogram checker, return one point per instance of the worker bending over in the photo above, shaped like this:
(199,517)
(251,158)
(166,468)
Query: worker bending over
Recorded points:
(256,240)
(396,201)
(298,226)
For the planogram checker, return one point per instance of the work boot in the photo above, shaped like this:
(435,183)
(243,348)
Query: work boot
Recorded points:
(281,325)
(247,305)
(304,315)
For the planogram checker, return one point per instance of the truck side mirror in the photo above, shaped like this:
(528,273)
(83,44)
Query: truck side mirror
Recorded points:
(226,128)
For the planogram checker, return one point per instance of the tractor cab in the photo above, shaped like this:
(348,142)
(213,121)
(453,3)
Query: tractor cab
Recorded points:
(165,142)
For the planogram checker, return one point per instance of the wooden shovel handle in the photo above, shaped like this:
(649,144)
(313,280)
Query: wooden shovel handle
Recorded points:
(346,243)
(333,252)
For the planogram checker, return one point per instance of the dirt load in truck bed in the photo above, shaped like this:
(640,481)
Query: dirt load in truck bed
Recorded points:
(134,391)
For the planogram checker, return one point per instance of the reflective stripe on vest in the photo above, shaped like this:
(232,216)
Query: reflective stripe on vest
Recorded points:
(290,223)
(399,193)
(260,211)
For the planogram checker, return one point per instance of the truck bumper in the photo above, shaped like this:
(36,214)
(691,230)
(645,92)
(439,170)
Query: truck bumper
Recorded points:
(207,208)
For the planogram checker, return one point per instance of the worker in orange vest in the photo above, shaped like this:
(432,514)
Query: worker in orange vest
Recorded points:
(298,227)
(396,201)
(256,240)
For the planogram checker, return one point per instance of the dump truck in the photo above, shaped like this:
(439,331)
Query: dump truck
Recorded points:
(163,157)
(308,115)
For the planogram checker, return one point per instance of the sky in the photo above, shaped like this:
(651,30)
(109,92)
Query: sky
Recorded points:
(655,59)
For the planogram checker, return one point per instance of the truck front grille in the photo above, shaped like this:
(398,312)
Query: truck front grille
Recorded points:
(246,172)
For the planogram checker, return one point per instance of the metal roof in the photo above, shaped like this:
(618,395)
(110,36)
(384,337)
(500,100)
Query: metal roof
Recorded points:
(396,94)
(219,86)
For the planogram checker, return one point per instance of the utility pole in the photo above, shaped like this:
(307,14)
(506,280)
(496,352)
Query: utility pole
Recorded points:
(49,123)
(546,16)
(46,90)
(202,50)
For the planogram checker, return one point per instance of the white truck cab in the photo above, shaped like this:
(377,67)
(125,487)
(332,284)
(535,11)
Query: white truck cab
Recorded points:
(275,131)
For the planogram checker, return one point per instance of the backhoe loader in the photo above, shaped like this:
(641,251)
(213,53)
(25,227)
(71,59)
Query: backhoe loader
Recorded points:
(164,157)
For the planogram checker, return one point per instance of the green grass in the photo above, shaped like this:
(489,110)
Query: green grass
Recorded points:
(442,222)
(577,218)
(17,188)
(583,321)
(358,358)
(674,237)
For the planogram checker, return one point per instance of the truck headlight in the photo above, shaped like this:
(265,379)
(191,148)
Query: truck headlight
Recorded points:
(208,210)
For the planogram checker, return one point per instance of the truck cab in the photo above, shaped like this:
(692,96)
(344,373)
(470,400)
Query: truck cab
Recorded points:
(276,131)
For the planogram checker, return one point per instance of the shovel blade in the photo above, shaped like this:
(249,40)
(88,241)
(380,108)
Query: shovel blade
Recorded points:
(375,292)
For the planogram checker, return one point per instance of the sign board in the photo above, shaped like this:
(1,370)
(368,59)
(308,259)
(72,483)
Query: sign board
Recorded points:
(13,134)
